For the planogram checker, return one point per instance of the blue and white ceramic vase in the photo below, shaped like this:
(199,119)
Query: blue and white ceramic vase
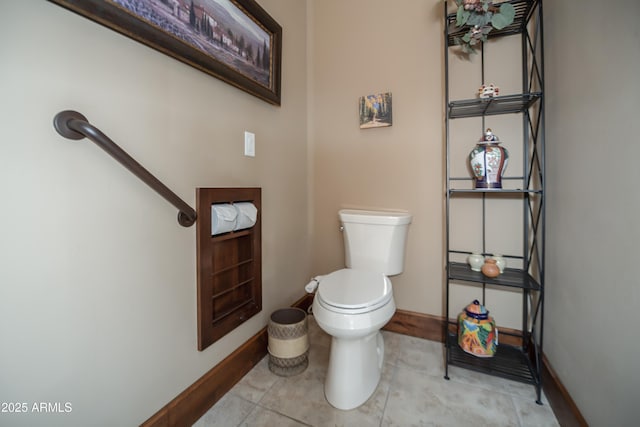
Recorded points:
(488,161)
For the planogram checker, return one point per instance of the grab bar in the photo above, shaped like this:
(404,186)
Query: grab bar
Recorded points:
(74,125)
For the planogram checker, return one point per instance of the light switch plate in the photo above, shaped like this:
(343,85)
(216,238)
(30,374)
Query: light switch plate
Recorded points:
(249,144)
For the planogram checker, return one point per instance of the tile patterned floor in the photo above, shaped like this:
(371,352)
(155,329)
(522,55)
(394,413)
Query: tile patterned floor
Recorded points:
(412,392)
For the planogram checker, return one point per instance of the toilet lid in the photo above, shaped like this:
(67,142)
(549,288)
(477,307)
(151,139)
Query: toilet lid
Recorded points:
(355,289)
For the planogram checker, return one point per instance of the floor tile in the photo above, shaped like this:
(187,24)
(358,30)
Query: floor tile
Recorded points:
(261,417)
(229,411)
(412,392)
(533,415)
(301,397)
(419,399)
(256,383)
(419,354)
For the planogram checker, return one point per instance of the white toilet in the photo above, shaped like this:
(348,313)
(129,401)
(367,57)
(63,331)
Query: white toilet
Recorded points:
(354,303)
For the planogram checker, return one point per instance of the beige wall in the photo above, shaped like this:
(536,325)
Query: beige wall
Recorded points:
(402,167)
(365,47)
(97,279)
(593,98)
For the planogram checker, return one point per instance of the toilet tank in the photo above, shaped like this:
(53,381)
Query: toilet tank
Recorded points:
(375,240)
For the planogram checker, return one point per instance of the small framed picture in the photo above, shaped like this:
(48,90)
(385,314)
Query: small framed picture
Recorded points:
(375,111)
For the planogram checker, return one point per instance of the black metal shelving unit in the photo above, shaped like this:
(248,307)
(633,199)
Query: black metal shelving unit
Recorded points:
(521,359)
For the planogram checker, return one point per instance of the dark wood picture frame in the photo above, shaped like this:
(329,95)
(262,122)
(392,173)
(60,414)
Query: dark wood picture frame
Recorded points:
(225,46)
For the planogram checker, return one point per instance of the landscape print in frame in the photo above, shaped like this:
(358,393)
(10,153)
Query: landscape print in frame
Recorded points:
(236,41)
(375,111)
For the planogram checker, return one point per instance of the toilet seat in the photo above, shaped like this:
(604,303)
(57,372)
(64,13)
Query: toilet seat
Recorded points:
(352,291)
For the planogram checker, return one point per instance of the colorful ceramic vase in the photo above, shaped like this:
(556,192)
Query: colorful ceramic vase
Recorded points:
(488,161)
(477,333)
(475,261)
(490,268)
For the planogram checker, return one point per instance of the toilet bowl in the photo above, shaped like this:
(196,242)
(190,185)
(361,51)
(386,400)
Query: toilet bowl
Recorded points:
(354,303)
(352,306)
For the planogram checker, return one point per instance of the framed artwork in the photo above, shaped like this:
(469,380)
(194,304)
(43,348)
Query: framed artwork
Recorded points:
(375,111)
(236,41)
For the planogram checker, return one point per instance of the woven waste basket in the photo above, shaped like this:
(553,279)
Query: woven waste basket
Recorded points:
(288,342)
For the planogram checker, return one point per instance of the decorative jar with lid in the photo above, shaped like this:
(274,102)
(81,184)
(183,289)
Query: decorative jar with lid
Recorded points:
(488,161)
(477,332)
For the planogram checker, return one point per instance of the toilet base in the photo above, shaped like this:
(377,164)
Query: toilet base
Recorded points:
(355,367)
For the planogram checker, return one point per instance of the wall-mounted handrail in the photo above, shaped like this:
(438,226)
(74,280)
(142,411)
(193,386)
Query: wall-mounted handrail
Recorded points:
(74,125)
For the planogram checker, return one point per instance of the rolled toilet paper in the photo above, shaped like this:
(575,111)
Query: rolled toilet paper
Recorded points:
(223,218)
(247,215)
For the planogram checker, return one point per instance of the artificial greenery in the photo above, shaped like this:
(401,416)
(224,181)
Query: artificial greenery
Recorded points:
(481,16)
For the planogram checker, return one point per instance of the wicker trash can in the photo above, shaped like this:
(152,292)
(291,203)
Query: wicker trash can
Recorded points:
(288,342)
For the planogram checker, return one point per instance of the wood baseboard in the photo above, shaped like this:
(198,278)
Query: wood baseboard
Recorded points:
(417,325)
(564,408)
(198,398)
(190,405)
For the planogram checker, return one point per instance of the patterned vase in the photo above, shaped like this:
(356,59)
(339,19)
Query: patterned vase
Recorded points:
(477,332)
(488,161)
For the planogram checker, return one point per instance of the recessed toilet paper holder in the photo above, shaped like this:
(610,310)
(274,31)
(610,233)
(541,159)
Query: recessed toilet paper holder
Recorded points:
(229,265)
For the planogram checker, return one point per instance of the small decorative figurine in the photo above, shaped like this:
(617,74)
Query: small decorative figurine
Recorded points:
(488,91)
(488,161)
(477,332)
(490,268)
(500,262)
(475,261)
